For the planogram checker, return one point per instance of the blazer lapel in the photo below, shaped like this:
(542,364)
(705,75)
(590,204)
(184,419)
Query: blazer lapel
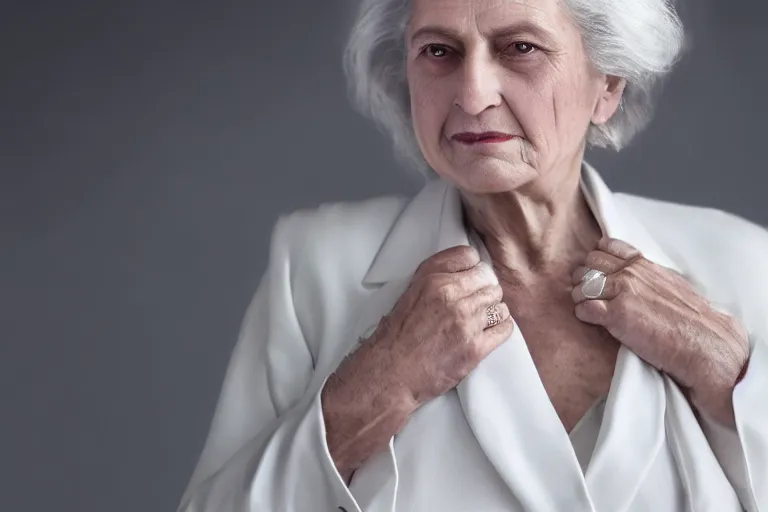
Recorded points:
(411,240)
(504,400)
(632,431)
(512,417)
(510,413)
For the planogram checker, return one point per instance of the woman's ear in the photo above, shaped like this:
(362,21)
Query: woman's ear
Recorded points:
(609,99)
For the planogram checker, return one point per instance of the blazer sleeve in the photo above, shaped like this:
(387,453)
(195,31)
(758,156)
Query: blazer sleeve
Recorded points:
(266,448)
(743,451)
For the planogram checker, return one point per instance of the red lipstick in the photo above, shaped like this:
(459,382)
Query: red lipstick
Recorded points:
(484,137)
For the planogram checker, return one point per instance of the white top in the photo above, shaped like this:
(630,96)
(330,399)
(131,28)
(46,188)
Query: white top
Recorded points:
(584,435)
(494,442)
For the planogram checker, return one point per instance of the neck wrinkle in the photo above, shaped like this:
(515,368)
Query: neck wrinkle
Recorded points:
(532,229)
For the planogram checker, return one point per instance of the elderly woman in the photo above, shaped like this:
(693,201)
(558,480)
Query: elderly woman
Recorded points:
(516,336)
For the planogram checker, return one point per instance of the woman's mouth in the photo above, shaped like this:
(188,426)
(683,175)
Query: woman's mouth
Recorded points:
(482,138)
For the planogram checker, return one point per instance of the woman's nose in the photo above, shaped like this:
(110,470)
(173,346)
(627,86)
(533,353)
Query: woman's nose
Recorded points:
(479,85)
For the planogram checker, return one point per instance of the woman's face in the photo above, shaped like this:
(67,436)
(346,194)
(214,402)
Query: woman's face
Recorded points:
(514,70)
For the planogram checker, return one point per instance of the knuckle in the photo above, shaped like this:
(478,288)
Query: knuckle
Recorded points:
(625,280)
(592,308)
(620,283)
(619,310)
(468,254)
(445,293)
(581,311)
(438,291)
(586,308)
(496,293)
(462,323)
(616,246)
(593,259)
(487,275)
(462,308)
(606,261)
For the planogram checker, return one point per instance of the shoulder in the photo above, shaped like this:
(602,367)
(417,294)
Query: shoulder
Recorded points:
(342,218)
(724,254)
(724,236)
(344,235)
(318,259)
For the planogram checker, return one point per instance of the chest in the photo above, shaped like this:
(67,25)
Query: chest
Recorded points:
(493,443)
(574,360)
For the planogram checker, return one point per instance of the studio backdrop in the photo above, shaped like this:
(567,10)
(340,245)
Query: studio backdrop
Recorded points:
(146,150)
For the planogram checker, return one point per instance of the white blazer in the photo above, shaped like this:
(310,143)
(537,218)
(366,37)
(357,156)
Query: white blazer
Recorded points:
(494,443)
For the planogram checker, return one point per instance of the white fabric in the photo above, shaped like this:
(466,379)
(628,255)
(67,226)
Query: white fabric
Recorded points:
(584,435)
(495,442)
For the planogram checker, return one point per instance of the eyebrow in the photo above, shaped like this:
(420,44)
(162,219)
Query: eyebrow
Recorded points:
(509,30)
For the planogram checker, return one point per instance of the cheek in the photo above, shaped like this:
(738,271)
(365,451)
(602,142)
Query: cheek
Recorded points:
(430,105)
(575,96)
(530,101)
(549,106)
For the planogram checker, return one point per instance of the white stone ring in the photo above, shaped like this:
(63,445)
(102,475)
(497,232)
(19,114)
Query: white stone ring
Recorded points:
(593,284)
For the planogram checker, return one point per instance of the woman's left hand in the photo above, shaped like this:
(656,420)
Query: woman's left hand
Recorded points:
(658,315)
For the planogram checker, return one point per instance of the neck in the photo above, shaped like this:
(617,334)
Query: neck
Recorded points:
(545,226)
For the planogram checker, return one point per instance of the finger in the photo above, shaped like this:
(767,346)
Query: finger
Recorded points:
(604,262)
(474,307)
(489,339)
(450,287)
(479,301)
(618,248)
(482,315)
(501,308)
(592,311)
(610,291)
(578,274)
(476,278)
(453,259)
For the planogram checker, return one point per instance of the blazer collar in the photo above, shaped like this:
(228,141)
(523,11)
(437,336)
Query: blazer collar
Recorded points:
(505,386)
(432,222)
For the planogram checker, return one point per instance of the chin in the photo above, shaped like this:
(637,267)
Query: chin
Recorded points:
(489,176)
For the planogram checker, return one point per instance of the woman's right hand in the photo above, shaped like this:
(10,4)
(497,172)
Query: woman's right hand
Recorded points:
(434,336)
(437,332)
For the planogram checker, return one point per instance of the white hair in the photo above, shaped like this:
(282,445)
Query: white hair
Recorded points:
(638,40)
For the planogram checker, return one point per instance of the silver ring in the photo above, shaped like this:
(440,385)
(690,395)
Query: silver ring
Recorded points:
(493,316)
(593,284)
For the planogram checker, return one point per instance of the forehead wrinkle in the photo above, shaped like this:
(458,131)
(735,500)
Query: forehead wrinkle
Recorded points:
(530,13)
(482,17)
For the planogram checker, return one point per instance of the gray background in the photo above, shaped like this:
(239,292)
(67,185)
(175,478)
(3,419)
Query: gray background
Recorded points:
(146,149)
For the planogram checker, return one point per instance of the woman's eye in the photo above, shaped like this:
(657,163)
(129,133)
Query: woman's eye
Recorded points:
(437,51)
(523,48)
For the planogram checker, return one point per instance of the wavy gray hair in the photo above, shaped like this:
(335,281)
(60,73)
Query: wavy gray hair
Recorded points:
(639,40)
